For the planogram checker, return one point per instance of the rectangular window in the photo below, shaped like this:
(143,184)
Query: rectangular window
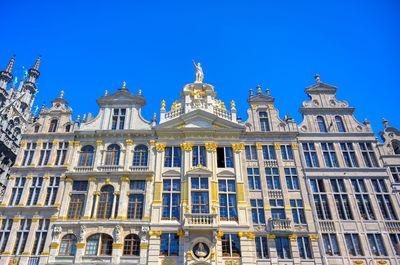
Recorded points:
(368,155)
(262,247)
(224,157)
(395,239)
(75,209)
(172,157)
(353,244)
(200,201)
(61,153)
(230,245)
(384,201)
(227,200)
(282,248)
(341,199)
(304,247)
(199,156)
(376,244)
(40,237)
(253,175)
(331,244)
(137,185)
(349,155)
(6,225)
(17,191)
(34,191)
(363,200)
(169,244)
(251,152)
(28,154)
(320,199)
(273,182)
(257,211)
(298,211)
(329,155)
(22,236)
(171,199)
(286,151)
(269,152)
(45,154)
(80,185)
(135,206)
(52,190)
(264,122)
(291,179)
(395,173)
(310,155)
(118,119)
(277,209)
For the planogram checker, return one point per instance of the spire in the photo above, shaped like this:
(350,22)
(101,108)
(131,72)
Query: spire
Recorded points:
(10,65)
(33,74)
(37,63)
(6,76)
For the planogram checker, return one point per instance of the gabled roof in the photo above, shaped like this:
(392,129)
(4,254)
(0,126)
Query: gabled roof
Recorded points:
(320,87)
(121,97)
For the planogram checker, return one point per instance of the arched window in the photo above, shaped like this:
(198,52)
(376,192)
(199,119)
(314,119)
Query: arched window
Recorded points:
(140,156)
(86,156)
(132,245)
(106,199)
(37,127)
(321,124)
(67,128)
(340,124)
(112,155)
(68,245)
(53,126)
(396,147)
(264,121)
(99,244)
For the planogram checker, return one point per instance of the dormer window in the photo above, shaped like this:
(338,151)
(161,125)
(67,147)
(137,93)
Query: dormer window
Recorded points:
(264,121)
(53,126)
(340,124)
(118,119)
(67,128)
(321,124)
(36,129)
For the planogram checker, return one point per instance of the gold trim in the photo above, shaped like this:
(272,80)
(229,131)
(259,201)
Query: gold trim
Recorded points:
(80,245)
(144,246)
(277,145)
(117,245)
(211,146)
(99,142)
(92,179)
(186,146)
(295,146)
(54,245)
(237,147)
(160,147)
(129,142)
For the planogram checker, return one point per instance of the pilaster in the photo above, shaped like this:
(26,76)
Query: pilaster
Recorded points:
(66,198)
(31,236)
(7,193)
(43,191)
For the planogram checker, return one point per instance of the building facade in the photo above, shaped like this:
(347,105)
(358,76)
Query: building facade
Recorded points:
(201,186)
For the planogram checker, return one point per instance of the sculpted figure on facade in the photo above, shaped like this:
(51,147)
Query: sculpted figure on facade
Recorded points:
(199,72)
(82,233)
(118,233)
(56,233)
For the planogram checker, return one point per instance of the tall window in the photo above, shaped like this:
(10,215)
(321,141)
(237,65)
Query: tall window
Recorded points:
(169,245)
(34,190)
(376,245)
(291,179)
(363,200)
(395,173)
(368,155)
(272,175)
(140,156)
(99,244)
(304,247)
(199,156)
(86,157)
(310,155)
(36,129)
(52,190)
(384,201)
(298,211)
(172,157)
(253,175)
(67,128)
(262,247)
(45,154)
(75,210)
(230,245)
(40,237)
(112,155)
(17,191)
(68,245)
(132,245)
(395,239)
(104,207)
(340,124)
(282,248)
(321,124)
(320,199)
(224,157)
(269,152)
(171,199)
(251,152)
(227,200)
(53,126)
(342,199)
(349,155)
(22,236)
(28,154)
(353,244)
(118,119)
(135,206)
(61,153)
(277,209)
(199,194)
(264,122)
(329,155)
(257,211)
(5,230)
(331,244)
(286,151)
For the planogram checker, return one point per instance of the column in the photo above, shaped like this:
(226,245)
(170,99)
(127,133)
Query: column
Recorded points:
(116,253)
(31,237)
(65,199)
(53,152)
(25,192)
(148,198)
(20,155)
(98,155)
(240,192)
(247,248)
(156,209)
(60,191)
(80,251)
(315,249)
(272,249)
(75,150)
(68,158)
(89,198)
(128,155)
(13,236)
(114,204)
(294,249)
(123,198)
(7,192)
(154,248)
(36,155)
(43,191)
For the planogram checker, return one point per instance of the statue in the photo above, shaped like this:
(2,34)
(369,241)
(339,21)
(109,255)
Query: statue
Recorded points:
(201,251)
(117,233)
(199,73)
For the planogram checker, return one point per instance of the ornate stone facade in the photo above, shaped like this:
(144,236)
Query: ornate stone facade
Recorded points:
(201,186)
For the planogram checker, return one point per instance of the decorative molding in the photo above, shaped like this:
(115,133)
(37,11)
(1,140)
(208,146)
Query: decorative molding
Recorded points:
(117,245)
(160,147)
(144,246)
(99,142)
(76,143)
(277,145)
(314,237)
(129,142)
(211,146)
(237,147)
(153,142)
(270,106)
(124,179)
(259,145)
(295,146)
(292,237)
(92,179)
(149,179)
(80,245)
(186,146)
(54,245)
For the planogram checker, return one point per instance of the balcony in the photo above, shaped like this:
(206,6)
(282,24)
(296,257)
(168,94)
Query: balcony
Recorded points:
(275,194)
(280,225)
(110,168)
(393,226)
(198,220)
(83,169)
(270,163)
(139,168)
(327,226)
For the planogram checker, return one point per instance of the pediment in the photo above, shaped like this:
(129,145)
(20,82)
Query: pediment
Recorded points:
(226,173)
(199,170)
(172,173)
(121,97)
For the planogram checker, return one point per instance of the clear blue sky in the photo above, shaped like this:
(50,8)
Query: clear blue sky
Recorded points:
(88,47)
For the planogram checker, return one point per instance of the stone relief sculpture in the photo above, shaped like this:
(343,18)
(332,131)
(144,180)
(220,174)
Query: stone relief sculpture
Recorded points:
(117,233)
(199,72)
(82,233)
(56,233)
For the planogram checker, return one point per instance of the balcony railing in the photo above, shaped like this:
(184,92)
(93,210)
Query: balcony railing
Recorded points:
(139,168)
(327,226)
(83,169)
(280,224)
(393,226)
(110,168)
(198,219)
(275,194)
(270,163)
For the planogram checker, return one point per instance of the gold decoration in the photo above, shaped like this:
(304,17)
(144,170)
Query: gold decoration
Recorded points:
(385,122)
(160,147)
(181,233)
(186,146)
(233,104)
(23,144)
(61,94)
(293,237)
(189,254)
(295,146)
(105,93)
(123,84)
(270,106)
(163,104)
(259,145)
(316,76)
(144,246)
(213,254)
(76,143)
(314,237)
(68,179)
(124,179)
(211,146)
(99,142)
(168,262)
(277,145)
(307,207)
(237,147)
(152,142)
(154,232)
(220,233)
(117,245)
(140,91)
(108,181)
(359,262)
(149,179)
(129,142)
(54,245)
(271,236)
(253,106)
(80,245)
(92,179)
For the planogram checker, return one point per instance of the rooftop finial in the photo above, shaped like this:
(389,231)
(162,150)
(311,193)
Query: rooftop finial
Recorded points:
(140,91)
(105,93)
(61,94)
(251,92)
(123,84)
(267,91)
(385,122)
(163,104)
(316,76)
(258,89)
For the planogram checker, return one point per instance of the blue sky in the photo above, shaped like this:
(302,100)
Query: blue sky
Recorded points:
(91,46)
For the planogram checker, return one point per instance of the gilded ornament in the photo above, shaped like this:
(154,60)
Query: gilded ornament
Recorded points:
(237,147)
(99,142)
(259,145)
(76,143)
(152,142)
(253,106)
(277,145)
(129,142)
(160,147)
(314,237)
(292,237)
(163,104)
(220,233)
(295,146)
(181,233)
(211,146)
(316,76)
(186,146)
(385,122)
(270,106)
